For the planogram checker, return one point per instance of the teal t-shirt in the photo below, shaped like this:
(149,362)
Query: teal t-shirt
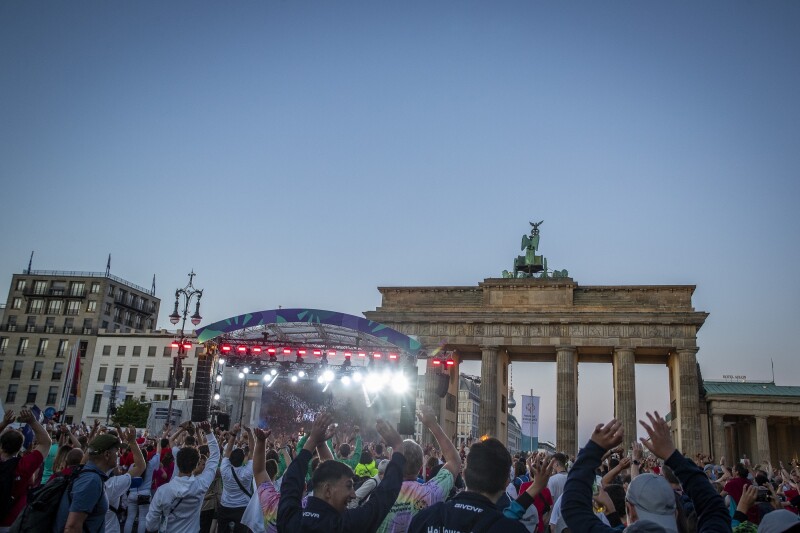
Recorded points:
(48,463)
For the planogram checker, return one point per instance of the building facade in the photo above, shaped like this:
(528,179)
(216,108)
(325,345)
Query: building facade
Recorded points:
(138,366)
(469,397)
(49,312)
(514,442)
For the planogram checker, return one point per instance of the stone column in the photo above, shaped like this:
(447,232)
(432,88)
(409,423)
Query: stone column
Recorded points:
(718,434)
(624,372)
(488,409)
(567,399)
(688,402)
(784,452)
(762,441)
(430,397)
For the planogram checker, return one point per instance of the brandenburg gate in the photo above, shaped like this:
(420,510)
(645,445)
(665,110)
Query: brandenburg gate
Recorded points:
(536,315)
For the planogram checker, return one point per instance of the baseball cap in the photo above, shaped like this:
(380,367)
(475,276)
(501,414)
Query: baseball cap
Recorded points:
(103,443)
(382,466)
(644,526)
(778,521)
(654,500)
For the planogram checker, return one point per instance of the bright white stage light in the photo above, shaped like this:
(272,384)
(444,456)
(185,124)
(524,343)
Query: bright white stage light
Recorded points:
(219,378)
(373,382)
(400,383)
(386,377)
(273,372)
(221,361)
(345,380)
(294,379)
(301,374)
(216,396)
(241,375)
(357,377)
(320,379)
(328,376)
(246,370)
(267,377)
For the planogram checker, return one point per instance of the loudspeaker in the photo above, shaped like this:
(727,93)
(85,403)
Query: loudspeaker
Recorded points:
(442,383)
(408,409)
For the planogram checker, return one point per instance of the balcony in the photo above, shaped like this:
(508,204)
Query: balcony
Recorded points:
(153,384)
(54,293)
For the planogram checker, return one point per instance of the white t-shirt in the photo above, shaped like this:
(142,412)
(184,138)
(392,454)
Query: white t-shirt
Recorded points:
(232,495)
(116,487)
(556,485)
(557,523)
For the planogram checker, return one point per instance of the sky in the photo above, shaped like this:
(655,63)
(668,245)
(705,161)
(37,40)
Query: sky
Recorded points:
(301,154)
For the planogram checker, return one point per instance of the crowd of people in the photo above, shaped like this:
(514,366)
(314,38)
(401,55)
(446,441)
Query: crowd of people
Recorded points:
(199,478)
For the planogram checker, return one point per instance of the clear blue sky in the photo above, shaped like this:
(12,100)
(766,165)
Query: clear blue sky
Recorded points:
(304,153)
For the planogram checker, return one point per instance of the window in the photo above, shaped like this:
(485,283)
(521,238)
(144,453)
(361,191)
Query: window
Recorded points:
(58,288)
(52,393)
(137,351)
(30,324)
(120,350)
(96,402)
(132,374)
(198,351)
(116,314)
(23,346)
(3,344)
(187,378)
(42,350)
(91,306)
(105,324)
(148,375)
(50,324)
(77,288)
(128,318)
(58,369)
(11,395)
(107,308)
(128,397)
(37,370)
(16,303)
(16,372)
(117,374)
(12,323)
(32,391)
(95,288)
(40,287)
(107,349)
(137,322)
(36,306)
(68,325)
(63,346)
(73,307)
(54,307)
(101,374)
(111,290)
(167,351)
(21,284)
(151,351)
(87,326)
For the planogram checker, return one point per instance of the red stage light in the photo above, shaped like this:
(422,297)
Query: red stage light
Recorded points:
(241,348)
(392,356)
(187,346)
(175,344)
(347,354)
(287,351)
(225,348)
(301,352)
(332,353)
(437,362)
(272,351)
(362,354)
(376,355)
(317,353)
(450,362)
(256,349)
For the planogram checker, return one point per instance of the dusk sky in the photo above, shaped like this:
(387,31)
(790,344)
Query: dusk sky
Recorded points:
(301,154)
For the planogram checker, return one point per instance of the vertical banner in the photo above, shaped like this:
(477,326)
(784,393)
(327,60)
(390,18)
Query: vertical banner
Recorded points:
(530,422)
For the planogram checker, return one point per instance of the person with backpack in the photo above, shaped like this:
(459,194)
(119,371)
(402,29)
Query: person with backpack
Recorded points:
(16,472)
(365,489)
(237,484)
(84,504)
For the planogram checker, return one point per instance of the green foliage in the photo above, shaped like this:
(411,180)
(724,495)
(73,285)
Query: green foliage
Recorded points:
(131,413)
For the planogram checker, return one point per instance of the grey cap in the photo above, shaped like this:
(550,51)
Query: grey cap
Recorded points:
(778,521)
(654,500)
(644,526)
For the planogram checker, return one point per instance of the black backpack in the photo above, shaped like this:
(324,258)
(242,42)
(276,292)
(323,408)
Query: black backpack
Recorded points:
(8,471)
(43,503)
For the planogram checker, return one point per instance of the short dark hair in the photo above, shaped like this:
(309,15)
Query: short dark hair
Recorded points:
(669,475)
(187,460)
(189,440)
(237,457)
(271,467)
(741,470)
(519,468)
(330,472)
(11,441)
(488,464)
(165,443)
(617,495)
(344,450)
(366,457)
(560,459)
(379,449)
(74,457)
(273,455)
(204,450)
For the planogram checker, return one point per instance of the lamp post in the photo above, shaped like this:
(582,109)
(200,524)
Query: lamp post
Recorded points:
(188,293)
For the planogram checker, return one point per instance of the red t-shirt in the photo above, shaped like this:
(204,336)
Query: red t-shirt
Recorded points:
(543,499)
(126,460)
(736,486)
(27,466)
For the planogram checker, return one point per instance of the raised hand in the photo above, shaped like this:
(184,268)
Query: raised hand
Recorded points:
(426,415)
(637,451)
(748,498)
(26,416)
(205,426)
(262,434)
(660,441)
(321,429)
(8,418)
(608,436)
(541,475)
(624,463)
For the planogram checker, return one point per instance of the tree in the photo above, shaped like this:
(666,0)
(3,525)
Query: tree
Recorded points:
(131,413)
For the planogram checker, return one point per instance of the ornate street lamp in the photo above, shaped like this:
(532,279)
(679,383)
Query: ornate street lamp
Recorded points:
(182,343)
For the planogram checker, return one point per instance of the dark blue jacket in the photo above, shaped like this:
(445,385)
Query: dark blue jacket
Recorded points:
(468,511)
(320,517)
(576,502)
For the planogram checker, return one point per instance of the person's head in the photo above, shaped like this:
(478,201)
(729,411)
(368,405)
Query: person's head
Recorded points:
(561,461)
(187,460)
(190,440)
(333,483)
(11,442)
(780,521)
(74,458)
(104,451)
(272,455)
(164,444)
(650,498)
(344,450)
(366,457)
(432,462)
(617,495)
(204,450)
(414,458)
(237,457)
(272,468)
(487,467)
(379,449)
(520,468)
(740,470)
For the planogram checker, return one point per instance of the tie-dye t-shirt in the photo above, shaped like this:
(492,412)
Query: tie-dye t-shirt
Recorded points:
(413,497)
(269,497)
